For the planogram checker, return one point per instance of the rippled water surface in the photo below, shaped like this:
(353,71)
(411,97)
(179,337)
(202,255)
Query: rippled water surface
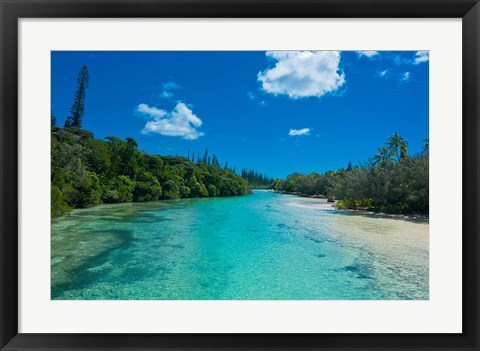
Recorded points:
(260,246)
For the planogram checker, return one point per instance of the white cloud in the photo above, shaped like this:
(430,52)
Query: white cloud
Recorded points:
(168,89)
(383,74)
(251,95)
(180,122)
(151,111)
(399,60)
(368,53)
(406,76)
(421,56)
(167,94)
(298,132)
(300,74)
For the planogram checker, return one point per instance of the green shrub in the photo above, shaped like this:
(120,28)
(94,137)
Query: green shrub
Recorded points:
(147,189)
(212,190)
(59,206)
(120,189)
(184,191)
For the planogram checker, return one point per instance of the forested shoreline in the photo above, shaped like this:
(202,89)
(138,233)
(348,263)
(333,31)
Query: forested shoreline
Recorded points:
(391,182)
(86,171)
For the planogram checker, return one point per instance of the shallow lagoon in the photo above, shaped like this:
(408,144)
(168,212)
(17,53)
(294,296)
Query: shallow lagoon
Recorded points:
(259,246)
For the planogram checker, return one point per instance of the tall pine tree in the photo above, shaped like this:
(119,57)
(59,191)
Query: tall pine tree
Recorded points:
(78,107)
(53,119)
(349,167)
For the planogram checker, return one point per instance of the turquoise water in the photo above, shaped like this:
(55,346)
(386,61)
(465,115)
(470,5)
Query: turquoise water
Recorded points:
(263,246)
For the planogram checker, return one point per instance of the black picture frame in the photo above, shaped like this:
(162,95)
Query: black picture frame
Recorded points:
(11,11)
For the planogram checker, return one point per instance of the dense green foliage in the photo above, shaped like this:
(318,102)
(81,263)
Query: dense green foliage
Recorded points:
(392,182)
(256,179)
(88,171)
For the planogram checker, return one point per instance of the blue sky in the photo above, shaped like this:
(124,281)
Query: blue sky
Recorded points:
(277,112)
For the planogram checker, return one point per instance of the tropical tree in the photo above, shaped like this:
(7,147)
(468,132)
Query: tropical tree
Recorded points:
(349,167)
(384,155)
(205,156)
(397,145)
(426,146)
(390,187)
(78,107)
(53,119)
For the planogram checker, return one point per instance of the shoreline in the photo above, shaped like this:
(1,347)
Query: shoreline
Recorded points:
(411,217)
(300,194)
(103,204)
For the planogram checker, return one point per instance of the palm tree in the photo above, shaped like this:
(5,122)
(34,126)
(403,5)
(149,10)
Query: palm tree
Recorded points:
(426,146)
(384,155)
(398,145)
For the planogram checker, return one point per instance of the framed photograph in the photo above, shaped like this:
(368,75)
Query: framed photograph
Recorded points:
(239,175)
